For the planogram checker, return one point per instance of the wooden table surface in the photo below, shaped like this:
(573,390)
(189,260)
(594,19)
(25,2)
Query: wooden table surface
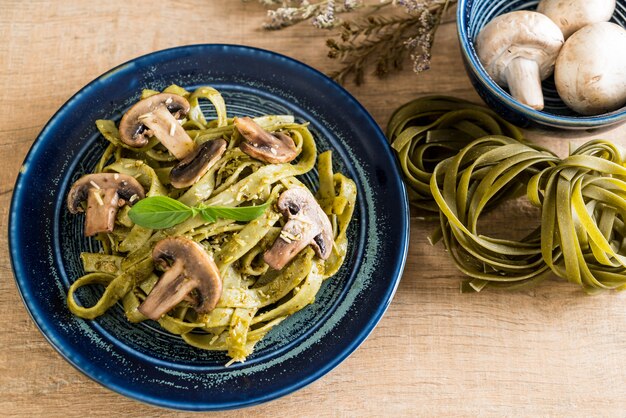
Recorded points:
(548,351)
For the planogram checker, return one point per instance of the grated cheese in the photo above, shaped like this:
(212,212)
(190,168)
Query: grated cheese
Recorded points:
(288,237)
(98,198)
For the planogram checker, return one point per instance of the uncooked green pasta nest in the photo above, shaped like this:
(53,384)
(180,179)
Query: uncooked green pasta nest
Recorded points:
(460,160)
(254,298)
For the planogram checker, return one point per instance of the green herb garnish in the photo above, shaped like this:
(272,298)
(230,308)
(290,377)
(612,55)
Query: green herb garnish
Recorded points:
(160,212)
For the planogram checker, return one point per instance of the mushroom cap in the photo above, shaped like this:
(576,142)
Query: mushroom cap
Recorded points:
(572,15)
(307,225)
(133,132)
(197,163)
(273,148)
(126,186)
(520,34)
(590,72)
(191,269)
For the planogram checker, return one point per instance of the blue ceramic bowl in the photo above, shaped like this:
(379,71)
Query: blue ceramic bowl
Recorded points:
(140,360)
(472,16)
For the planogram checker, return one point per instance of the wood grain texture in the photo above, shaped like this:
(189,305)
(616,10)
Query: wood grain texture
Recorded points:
(550,351)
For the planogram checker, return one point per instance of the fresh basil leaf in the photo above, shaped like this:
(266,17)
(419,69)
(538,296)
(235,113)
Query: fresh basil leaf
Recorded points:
(243,213)
(207,216)
(159,212)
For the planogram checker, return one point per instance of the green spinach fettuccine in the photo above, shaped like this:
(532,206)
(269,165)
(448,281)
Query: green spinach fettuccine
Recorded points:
(459,160)
(254,298)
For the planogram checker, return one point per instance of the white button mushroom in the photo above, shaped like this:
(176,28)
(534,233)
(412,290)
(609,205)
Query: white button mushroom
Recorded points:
(571,15)
(518,50)
(590,72)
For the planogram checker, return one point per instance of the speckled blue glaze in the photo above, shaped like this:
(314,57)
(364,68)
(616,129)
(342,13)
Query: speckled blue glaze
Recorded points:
(145,363)
(472,16)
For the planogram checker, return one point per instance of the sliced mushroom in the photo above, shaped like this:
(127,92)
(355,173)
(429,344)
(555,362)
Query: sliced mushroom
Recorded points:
(197,163)
(518,50)
(158,116)
(273,148)
(105,194)
(192,275)
(307,224)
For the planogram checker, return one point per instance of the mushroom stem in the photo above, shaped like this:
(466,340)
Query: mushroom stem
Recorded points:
(170,290)
(524,80)
(167,129)
(293,238)
(102,206)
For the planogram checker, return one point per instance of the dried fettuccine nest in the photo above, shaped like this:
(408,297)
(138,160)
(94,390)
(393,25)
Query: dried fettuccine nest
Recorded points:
(583,219)
(430,129)
(460,160)
(464,186)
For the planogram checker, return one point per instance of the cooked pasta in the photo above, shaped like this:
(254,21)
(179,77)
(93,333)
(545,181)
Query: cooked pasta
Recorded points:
(254,297)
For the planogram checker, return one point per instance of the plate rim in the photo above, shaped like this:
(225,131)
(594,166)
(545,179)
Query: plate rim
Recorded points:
(19,275)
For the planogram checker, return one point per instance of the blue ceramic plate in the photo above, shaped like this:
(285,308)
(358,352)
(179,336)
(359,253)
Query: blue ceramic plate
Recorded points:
(141,361)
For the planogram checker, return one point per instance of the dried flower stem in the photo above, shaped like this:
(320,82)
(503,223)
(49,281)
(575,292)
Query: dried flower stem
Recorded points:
(386,41)
(322,13)
(377,38)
